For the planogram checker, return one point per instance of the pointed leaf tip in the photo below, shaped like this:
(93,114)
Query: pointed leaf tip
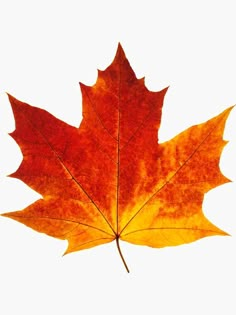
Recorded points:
(164,91)
(120,54)
(10,97)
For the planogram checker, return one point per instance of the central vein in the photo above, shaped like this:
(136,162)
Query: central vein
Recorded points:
(118,158)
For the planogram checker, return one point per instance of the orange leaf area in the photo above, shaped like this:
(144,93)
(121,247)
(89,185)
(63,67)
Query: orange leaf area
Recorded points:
(110,179)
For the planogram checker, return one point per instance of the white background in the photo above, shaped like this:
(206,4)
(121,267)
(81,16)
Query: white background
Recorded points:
(46,48)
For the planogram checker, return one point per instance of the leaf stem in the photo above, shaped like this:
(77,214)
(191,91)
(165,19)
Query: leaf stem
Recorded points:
(120,253)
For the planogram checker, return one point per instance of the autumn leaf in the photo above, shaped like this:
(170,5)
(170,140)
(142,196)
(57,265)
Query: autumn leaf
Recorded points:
(109,179)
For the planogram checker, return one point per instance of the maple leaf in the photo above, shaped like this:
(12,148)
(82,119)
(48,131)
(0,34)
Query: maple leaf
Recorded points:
(109,179)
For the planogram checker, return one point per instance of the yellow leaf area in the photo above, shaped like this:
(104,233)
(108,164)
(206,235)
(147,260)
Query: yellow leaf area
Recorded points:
(109,179)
